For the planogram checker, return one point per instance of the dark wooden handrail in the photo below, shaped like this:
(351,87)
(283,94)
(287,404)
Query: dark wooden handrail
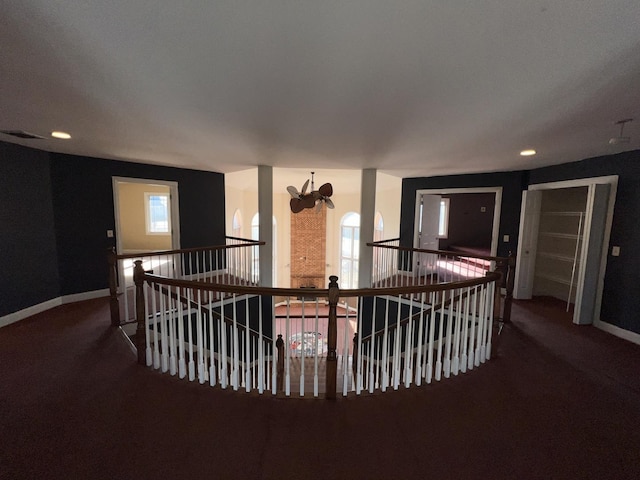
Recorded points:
(248,243)
(442,252)
(318,292)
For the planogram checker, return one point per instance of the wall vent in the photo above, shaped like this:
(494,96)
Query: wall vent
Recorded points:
(21,134)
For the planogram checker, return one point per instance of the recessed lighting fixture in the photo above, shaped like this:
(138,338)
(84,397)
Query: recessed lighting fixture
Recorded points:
(62,135)
(528,153)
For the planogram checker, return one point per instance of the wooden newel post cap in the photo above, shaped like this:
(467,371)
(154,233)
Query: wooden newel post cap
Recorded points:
(333,281)
(279,342)
(138,272)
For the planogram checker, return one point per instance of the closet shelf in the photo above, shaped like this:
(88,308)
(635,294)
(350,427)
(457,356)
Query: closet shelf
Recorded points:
(563,214)
(554,278)
(570,236)
(556,256)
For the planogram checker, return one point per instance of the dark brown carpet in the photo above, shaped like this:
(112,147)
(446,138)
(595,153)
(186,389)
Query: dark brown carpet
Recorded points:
(559,401)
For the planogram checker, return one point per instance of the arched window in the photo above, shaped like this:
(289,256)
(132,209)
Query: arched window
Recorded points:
(378,227)
(378,234)
(349,250)
(236,224)
(255,235)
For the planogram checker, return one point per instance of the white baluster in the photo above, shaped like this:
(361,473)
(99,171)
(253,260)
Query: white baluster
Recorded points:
(154,313)
(420,342)
(163,332)
(182,366)
(212,345)
(303,345)
(192,363)
(287,348)
(173,364)
(472,328)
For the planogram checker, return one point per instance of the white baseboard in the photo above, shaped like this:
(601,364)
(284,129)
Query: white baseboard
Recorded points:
(78,297)
(49,304)
(617,331)
(29,311)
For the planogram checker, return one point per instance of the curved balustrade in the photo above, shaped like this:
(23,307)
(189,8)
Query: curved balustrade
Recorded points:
(224,330)
(232,264)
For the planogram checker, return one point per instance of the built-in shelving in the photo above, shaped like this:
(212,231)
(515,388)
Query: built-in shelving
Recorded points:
(554,278)
(559,243)
(571,236)
(555,256)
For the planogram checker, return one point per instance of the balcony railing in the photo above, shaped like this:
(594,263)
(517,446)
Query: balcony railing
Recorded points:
(230,264)
(209,321)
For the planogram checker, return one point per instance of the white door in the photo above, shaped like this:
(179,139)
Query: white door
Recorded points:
(588,284)
(428,226)
(591,257)
(527,244)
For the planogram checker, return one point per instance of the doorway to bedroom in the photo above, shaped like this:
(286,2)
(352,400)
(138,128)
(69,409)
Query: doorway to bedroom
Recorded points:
(461,219)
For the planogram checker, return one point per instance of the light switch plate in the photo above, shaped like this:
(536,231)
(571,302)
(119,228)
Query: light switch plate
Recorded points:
(109,233)
(615,251)
(505,238)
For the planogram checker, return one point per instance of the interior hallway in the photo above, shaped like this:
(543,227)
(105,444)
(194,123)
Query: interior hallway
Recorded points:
(558,401)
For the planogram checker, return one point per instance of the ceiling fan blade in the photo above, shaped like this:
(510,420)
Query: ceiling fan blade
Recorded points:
(296,205)
(329,203)
(318,206)
(308,201)
(304,187)
(293,191)
(326,190)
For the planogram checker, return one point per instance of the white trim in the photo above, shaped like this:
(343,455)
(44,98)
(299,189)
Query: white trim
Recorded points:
(29,311)
(127,338)
(175,207)
(79,297)
(617,331)
(147,219)
(612,180)
(495,234)
(49,304)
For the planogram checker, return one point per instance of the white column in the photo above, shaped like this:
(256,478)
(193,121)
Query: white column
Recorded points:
(367,215)
(265,212)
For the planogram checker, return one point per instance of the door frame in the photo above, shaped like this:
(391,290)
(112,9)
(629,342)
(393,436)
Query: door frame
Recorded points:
(450,191)
(175,210)
(530,236)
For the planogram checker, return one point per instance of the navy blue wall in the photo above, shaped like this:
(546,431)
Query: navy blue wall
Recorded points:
(469,226)
(28,253)
(512,184)
(83,206)
(56,209)
(620,303)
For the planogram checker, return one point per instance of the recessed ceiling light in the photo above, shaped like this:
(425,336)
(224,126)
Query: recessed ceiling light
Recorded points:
(62,135)
(528,153)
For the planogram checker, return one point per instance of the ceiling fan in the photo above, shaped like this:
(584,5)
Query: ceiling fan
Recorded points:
(315,198)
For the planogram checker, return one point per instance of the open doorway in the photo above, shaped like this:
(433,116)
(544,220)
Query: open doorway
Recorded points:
(563,243)
(458,218)
(146,214)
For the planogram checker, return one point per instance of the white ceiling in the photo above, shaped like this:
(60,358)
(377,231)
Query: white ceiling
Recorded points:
(412,88)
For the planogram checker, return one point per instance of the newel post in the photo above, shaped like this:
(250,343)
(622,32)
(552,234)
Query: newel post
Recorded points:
(141,333)
(280,368)
(511,270)
(113,287)
(332,339)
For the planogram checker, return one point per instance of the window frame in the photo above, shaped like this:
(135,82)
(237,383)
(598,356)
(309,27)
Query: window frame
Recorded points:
(354,259)
(443,220)
(147,213)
